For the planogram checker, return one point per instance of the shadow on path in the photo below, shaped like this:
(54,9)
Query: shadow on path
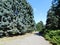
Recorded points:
(38,33)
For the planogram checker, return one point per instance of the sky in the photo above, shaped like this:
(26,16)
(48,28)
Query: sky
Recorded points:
(40,8)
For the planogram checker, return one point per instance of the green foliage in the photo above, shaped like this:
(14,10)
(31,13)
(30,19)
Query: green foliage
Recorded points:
(53,16)
(16,16)
(53,23)
(1,33)
(53,36)
(39,26)
(52,20)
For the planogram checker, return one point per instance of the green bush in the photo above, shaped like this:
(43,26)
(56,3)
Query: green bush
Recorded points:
(53,36)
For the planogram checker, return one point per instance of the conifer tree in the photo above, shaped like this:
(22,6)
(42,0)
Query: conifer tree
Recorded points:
(16,17)
(52,18)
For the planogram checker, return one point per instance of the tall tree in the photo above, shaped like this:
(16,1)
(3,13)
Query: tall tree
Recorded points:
(16,16)
(57,11)
(52,18)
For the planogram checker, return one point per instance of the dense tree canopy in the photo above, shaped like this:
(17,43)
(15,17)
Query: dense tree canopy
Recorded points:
(53,16)
(16,16)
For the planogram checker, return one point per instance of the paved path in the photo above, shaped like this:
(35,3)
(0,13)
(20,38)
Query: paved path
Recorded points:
(32,39)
